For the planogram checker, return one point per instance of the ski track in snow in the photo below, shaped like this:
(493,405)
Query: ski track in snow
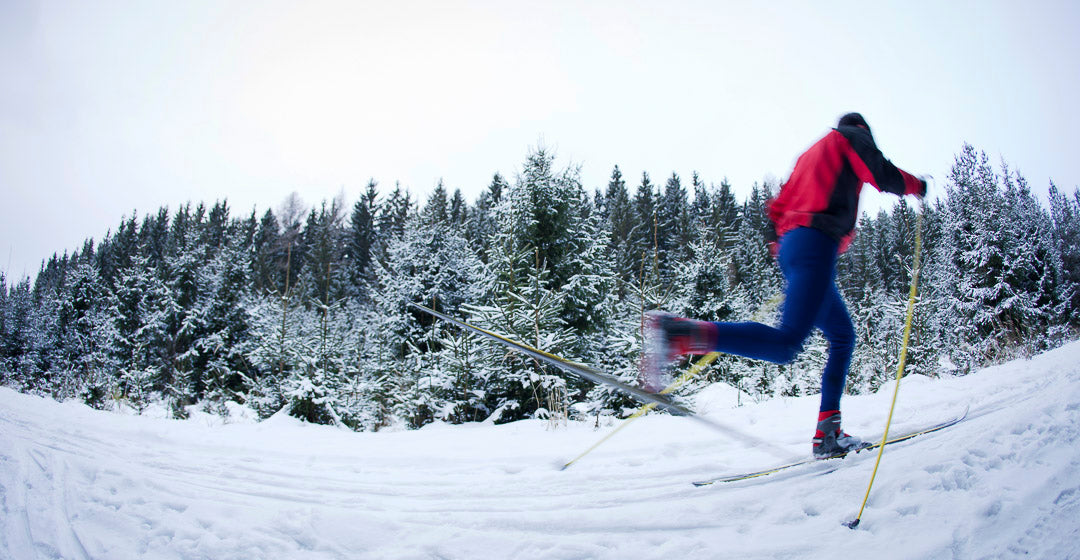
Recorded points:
(1004,483)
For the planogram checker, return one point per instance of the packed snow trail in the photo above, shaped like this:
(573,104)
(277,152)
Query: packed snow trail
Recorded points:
(78,483)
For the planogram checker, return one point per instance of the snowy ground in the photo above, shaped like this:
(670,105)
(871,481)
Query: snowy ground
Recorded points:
(77,483)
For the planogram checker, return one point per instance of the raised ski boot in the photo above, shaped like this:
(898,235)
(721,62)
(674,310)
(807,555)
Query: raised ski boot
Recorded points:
(666,338)
(830,441)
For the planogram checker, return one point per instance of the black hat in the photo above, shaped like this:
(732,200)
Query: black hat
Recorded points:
(853,119)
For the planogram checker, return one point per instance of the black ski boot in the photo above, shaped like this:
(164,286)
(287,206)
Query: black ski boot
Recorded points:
(830,441)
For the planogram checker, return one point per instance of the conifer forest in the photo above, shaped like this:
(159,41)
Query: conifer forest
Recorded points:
(304,310)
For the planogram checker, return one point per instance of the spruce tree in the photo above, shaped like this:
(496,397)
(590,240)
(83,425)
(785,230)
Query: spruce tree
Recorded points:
(701,207)
(1065,214)
(429,263)
(1033,269)
(620,216)
(142,297)
(225,324)
(362,236)
(7,342)
(393,214)
(532,270)
(268,254)
(673,223)
(88,335)
(437,209)
(458,210)
(154,237)
(480,224)
(20,337)
(725,217)
(642,238)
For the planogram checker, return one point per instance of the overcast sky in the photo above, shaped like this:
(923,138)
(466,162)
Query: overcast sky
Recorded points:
(110,108)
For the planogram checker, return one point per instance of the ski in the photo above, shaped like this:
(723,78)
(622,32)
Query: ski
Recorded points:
(809,460)
(581,370)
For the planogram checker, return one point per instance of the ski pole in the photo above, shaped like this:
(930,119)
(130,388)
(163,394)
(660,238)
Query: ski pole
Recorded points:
(900,368)
(693,371)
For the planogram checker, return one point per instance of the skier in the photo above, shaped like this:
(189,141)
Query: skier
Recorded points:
(814,218)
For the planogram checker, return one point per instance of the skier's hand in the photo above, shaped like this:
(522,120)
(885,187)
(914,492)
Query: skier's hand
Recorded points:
(925,185)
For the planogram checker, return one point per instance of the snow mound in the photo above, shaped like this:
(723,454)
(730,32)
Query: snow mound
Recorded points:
(720,396)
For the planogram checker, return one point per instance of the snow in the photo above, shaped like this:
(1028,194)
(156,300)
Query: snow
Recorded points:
(1005,483)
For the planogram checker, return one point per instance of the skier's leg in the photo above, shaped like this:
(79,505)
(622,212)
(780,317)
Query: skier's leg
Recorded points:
(833,320)
(807,259)
(835,323)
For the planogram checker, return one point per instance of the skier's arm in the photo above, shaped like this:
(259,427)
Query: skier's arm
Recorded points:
(871,166)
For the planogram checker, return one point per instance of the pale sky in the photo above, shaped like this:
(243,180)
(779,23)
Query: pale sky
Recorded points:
(110,108)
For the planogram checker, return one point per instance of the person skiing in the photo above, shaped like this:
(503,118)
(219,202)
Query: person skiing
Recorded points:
(814,218)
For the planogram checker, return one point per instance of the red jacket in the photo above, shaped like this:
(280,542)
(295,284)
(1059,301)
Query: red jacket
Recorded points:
(823,190)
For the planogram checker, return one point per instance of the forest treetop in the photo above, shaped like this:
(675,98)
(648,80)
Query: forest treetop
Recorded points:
(305,309)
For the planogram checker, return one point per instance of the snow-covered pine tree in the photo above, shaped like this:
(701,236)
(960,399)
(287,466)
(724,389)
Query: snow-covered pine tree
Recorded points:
(268,254)
(274,349)
(530,262)
(315,354)
(25,328)
(326,246)
(431,263)
(458,210)
(523,307)
(480,225)
(225,323)
(589,277)
(701,206)
(274,346)
(88,335)
(7,343)
(1033,266)
(620,217)
(591,311)
(437,209)
(975,259)
(362,235)
(673,227)
(290,246)
(642,237)
(999,235)
(456,374)
(142,299)
(1065,214)
(117,250)
(394,212)
(179,378)
(362,402)
(724,214)
(154,237)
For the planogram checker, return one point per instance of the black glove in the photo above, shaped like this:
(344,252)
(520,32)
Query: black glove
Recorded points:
(924,179)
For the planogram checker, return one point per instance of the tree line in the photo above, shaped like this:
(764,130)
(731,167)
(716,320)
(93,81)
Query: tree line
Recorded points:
(305,310)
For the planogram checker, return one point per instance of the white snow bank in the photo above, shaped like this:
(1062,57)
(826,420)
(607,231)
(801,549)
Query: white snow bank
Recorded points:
(78,483)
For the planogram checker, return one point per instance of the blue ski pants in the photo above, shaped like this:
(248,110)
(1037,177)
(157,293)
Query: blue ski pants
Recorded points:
(807,259)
